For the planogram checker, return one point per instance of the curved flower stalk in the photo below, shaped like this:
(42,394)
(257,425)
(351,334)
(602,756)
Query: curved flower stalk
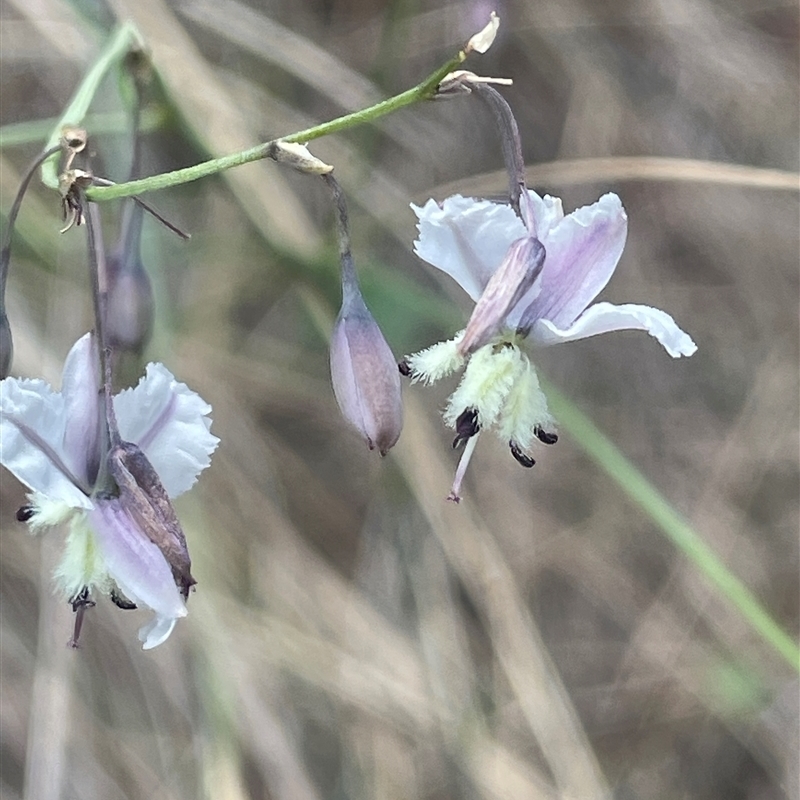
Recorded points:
(6,344)
(6,339)
(476,242)
(124,542)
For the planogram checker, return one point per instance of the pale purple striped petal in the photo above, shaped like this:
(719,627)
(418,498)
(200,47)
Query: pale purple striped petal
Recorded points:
(170,423)
(582,253)
(138,568)
(80,388)
(50,440)
(32,426)
(466,238)
(606,317)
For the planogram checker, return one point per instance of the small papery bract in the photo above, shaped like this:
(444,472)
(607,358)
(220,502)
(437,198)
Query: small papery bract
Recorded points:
(300,157)
(364,373)
(484,38)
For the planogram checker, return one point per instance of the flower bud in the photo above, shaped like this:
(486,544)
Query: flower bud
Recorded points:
(6,345)
(364,373)
(129,315)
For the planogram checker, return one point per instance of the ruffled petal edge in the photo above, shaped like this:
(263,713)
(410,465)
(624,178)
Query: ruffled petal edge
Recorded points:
(170,423)
(466,238)
(32,424)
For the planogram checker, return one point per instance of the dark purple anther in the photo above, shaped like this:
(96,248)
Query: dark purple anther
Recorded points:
(120,601)
(523,458)
(467,426)
(545,437)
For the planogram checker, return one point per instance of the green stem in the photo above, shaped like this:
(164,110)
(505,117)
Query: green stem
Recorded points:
(423,91)
(125,37)
(677,529)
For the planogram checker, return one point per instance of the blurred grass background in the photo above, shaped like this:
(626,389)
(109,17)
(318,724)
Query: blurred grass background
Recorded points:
(353,635)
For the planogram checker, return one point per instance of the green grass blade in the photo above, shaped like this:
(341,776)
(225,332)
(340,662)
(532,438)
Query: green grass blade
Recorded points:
(16,134)
(677,529)
(123,39)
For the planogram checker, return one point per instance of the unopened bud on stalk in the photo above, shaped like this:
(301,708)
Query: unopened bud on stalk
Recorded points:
(364,372)
(6,345)
(129,315)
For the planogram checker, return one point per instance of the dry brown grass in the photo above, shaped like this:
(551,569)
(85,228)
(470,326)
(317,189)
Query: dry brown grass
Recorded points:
(352,634)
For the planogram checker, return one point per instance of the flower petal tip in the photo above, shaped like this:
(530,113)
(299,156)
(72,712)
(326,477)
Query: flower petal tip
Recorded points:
(157,631)
(686,348)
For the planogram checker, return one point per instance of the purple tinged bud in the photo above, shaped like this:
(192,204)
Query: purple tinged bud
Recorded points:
(129,304)
(364,372)
(6,345)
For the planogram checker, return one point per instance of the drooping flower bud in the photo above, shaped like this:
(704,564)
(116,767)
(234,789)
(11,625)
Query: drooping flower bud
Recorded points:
(129,315)
(365,375)
(364,372)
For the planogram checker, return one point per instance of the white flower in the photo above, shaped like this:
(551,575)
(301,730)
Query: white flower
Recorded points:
(520,298)
(52,441)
